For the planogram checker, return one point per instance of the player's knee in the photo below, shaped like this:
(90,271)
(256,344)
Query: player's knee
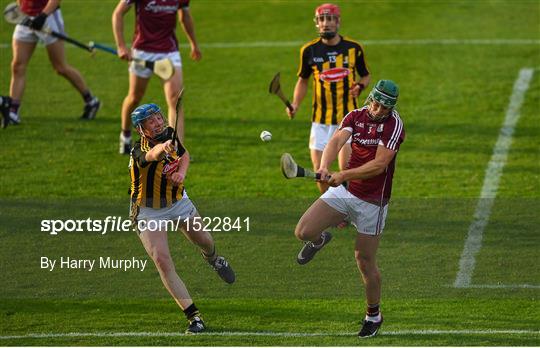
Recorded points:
(61,70)
(18,68)
(366,264)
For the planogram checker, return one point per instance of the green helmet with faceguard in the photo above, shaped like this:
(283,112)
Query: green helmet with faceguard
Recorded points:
(386,93)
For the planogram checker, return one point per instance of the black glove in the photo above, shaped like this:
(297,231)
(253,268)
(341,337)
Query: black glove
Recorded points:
(38,22)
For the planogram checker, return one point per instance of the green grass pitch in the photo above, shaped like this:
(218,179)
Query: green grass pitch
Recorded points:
(456,63)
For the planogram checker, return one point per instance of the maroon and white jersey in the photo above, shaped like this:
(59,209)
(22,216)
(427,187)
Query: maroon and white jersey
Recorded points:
(33,7)
(155,24)
(367,135)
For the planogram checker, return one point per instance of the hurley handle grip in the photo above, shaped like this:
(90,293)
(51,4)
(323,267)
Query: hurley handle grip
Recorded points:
(289,106)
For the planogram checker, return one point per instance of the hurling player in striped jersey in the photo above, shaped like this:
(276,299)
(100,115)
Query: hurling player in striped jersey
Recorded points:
(159,204)
(333,62)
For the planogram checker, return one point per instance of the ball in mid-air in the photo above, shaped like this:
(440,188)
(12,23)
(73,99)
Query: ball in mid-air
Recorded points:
(266,136)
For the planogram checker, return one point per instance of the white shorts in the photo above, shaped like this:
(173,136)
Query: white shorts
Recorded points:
(54,21)
(166,217)
(368,218)
(152,57)
(320,135)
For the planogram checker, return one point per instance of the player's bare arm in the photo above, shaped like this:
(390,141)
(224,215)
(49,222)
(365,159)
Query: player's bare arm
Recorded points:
(376,166)
(118,29)
(185,19)
(159,151)
(300,90)
(331,150)
(51,6)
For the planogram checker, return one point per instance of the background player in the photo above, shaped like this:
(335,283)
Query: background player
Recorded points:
(157,196)
(155,39)
(334,61)
(377,132)
(42,13)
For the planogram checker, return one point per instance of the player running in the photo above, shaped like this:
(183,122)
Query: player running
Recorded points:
(155,39)
(41,14)
(377,133)
(333,61)
(158,169)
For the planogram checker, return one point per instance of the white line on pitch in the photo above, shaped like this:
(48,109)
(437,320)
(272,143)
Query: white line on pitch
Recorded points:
(491,181)
(504,286)
(269,333)
(263,44)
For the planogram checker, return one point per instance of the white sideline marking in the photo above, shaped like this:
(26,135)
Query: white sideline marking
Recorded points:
(262,44)
(505,286)
(499,286)
(491,181)
(269,333)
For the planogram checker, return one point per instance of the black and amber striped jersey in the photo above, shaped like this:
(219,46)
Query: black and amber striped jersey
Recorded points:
(334,69)
(149,185)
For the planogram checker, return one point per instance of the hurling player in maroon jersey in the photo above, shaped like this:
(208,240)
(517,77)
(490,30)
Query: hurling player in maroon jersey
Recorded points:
(41,14)
(332,62)
(155,39)
(377,133)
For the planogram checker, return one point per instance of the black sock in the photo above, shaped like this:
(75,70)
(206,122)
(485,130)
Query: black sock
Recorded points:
(211,256)
(87,96)
(191,312)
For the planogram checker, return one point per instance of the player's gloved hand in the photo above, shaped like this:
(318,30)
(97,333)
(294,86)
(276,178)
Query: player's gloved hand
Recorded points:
(38,22)
(27,21)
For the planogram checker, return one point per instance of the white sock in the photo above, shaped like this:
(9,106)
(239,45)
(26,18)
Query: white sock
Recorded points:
(14,117)
(374,319)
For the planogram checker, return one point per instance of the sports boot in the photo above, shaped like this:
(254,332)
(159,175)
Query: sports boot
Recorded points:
(196,325)
(223,269)
(370,328)
(310,249)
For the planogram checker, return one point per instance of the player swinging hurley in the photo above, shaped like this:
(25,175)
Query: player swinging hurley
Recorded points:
(377,132)
(333,61)
(158,167)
